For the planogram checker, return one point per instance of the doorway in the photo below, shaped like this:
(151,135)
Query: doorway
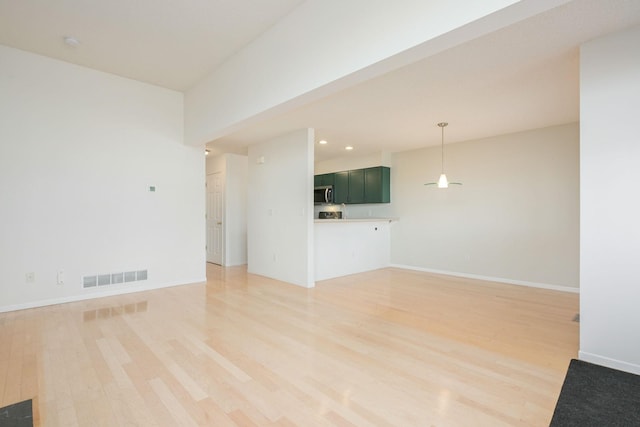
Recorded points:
(214,214)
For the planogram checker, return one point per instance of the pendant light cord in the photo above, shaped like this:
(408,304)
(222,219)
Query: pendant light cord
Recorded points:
(442,148)
(442,125)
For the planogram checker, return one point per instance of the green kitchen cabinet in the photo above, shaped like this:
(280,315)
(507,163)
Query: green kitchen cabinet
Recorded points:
(348,187)
(377,185)
(356,186)
(341,187)
(370,185)
(323,179)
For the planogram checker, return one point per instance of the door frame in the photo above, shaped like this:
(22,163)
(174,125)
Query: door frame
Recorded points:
(209,242)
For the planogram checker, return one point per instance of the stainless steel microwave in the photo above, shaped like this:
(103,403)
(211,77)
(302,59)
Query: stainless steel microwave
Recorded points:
(323,195)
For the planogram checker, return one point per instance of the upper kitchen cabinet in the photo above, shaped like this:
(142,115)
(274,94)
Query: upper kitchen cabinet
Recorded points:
(341,187)
(324,179)
(370,185)
(377,185)
(355,193)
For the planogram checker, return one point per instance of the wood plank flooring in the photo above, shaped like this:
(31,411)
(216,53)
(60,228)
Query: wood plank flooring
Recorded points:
(385,348)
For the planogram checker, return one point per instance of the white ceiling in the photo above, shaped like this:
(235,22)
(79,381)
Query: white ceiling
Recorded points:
(522,77)
(168,43)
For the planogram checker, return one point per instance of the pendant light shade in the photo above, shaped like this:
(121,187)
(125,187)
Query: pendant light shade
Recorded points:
(443,182)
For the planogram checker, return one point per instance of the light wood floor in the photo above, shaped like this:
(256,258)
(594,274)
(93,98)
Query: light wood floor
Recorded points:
(385,348)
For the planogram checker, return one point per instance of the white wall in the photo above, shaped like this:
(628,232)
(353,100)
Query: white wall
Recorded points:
(236,209)
(280,218)
(78,152)
(514,219)
(348,162)
(315,51)
(610,206)
(215,164)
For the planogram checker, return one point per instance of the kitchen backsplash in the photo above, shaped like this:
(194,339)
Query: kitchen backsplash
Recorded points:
(376,210)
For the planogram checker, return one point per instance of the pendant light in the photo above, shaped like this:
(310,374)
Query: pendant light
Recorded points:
(443,182)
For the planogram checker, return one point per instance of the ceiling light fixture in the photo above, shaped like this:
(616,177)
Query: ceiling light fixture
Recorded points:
(442,181)
(322,142)
(348,148)
(206,152)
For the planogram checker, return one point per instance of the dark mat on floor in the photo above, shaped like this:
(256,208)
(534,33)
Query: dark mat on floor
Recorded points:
(17,415)
(593,395)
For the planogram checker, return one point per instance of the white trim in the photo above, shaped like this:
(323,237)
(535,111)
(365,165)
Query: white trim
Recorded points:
(93,295)
(609,363)
(491,279)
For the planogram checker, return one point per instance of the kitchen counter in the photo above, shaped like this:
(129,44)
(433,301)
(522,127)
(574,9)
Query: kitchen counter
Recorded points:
(352,245)
(367,219)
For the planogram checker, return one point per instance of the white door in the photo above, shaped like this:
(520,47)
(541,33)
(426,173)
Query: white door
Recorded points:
(215,192)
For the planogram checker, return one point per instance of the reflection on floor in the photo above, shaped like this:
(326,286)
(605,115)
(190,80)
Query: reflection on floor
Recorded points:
(103,313)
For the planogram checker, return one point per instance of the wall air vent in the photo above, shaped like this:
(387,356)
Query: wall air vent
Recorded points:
(105,279)
(89,281)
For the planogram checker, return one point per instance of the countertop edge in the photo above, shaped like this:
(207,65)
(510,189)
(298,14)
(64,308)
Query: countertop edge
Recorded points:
(336,221)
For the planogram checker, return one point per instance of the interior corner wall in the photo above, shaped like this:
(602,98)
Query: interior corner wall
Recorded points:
(79,151)
(280,214)
(514,219)
(610,207)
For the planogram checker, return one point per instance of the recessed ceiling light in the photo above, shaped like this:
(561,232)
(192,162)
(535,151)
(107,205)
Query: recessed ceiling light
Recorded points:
(348,147)
(322,142)
(71,41)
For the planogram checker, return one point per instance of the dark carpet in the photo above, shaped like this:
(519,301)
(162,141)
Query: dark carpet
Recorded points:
(17,415)
(593,395)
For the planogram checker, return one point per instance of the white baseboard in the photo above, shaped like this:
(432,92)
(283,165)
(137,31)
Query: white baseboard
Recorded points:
(491,279)
(93,295)
(609,363)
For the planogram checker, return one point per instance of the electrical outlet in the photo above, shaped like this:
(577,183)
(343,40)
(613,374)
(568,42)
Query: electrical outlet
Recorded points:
(60,277)
(30,277)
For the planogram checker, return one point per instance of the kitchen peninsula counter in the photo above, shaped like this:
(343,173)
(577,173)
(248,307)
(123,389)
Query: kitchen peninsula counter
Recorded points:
(351,245)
